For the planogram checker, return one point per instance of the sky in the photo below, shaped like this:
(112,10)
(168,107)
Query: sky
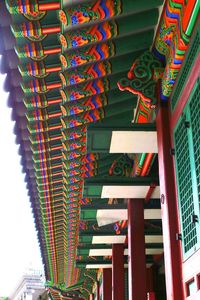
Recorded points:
(19,247)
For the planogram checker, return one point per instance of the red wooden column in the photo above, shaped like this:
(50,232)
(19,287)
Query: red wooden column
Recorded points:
(150,279)
(136,250)
(150,273)
(118,273)
(107,284)
(98,291)
(169,207)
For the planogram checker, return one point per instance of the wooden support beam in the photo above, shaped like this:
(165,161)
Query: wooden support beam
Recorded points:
(103,206)
(121,137)
(169,207)
(107,284)
(118,273)
(109,246)
(98,291)
(119,187)
(136,250)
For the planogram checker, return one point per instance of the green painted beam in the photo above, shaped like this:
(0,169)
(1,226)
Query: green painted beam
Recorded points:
(120,180)
(140,5)
(113,124)
(84,262)
(99,134)
(96,261)
(99,204)
(90,215)
(107,246)
(103,206)
(101,232)
(93,186)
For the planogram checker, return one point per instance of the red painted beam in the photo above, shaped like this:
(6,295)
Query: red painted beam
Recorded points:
(49,6)
(52,51)
(118,272)
(136,250)
(150,192)
(50,30)
(107,284)
(53,69)
(52,86)
(169,207)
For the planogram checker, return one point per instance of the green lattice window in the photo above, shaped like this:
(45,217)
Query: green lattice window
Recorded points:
(194,49)
(195,123)
(187,157)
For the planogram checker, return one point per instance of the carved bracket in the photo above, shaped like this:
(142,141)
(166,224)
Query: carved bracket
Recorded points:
(142,78)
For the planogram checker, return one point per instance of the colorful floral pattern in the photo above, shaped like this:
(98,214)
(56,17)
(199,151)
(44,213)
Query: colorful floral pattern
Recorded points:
(80,75)
(89,55)
(83,37)
(85,13)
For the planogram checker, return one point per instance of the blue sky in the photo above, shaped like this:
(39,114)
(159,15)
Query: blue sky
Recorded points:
(18,242)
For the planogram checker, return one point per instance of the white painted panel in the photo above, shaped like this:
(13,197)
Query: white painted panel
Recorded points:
(153,239)
(134,142)
(100,252)
(99,266)
(156,193)
(149,265)
(108,252)
(152,214)
(120,191)
(109,239)
(120,239)
(102,266)
(109,216)
(154,251)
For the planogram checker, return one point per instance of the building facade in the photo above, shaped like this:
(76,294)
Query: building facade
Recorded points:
(105,95)
(30,287)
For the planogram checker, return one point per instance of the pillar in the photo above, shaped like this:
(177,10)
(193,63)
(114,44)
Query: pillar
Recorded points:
(169,207)
(150,273)
(136,250)
(98,291)
(118,273)
(150,279)
(107,284)
(151,296)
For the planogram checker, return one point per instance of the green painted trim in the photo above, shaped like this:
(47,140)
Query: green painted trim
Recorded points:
(95,207)
(93,186)
(101,232)
(194,187)
(109,246)
(109,124)
(119,180)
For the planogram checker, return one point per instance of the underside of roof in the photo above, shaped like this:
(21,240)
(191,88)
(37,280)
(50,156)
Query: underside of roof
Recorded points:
(67,65)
